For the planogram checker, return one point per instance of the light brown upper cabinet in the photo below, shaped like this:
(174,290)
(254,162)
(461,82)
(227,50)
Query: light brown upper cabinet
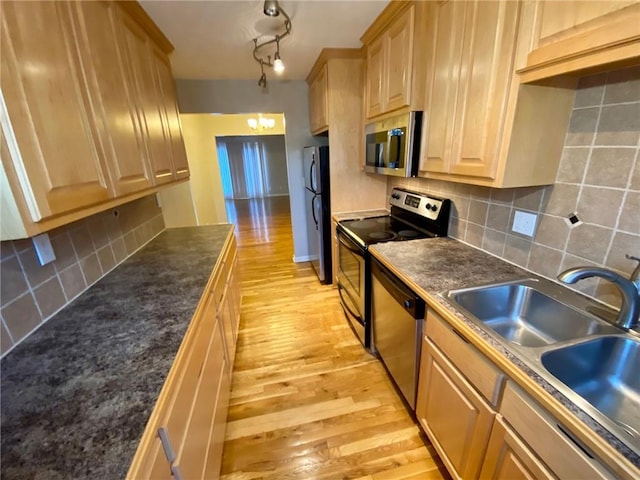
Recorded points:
(483,127)
(75,128)
(318,110)
(96,25)
(577,38)
(56,159)
(169,110)
(389,70)
(141,63)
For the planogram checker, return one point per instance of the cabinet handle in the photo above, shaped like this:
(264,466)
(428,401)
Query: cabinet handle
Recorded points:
(464,339)
(575,441)
(169,452)
(175,471)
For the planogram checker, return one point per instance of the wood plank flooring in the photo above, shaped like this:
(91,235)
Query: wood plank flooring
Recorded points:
(307,402)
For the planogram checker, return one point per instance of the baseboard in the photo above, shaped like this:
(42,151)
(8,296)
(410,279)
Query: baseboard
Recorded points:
(302,258)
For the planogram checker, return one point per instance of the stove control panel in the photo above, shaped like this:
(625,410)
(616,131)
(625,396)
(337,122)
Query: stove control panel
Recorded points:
(417,203)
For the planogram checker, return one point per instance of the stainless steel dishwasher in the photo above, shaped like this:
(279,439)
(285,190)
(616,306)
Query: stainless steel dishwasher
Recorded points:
(397,318)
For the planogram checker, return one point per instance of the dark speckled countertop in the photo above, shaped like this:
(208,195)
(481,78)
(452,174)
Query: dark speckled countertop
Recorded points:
(77,394)
(442,264)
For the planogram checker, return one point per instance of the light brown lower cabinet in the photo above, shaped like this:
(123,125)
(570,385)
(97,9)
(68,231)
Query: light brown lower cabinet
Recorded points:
(185,433)
(509,458)
(481,429)
(456,418)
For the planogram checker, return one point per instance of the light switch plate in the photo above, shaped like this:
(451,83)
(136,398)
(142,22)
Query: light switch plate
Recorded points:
(43,248)
(524,223)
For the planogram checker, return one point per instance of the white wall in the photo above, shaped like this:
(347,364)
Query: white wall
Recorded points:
(244,96)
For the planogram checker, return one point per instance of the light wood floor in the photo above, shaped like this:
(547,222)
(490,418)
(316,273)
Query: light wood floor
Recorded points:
(307,401)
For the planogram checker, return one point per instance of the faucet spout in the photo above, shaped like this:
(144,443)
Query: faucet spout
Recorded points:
(630,308)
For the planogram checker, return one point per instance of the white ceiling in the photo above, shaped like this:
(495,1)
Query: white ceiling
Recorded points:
(214,39)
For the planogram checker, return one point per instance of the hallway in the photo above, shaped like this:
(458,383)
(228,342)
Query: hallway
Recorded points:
(307,402)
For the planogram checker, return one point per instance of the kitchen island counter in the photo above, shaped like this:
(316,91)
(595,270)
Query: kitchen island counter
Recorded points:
(78,392)
(434,266)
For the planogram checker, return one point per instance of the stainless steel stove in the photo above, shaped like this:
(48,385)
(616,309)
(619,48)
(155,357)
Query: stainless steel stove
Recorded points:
(413,216)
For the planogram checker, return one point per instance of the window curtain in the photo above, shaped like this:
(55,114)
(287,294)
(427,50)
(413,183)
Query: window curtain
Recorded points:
(225,172)
(244,168)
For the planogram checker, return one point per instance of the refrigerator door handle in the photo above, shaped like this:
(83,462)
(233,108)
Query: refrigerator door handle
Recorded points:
(311,176)
(313,210)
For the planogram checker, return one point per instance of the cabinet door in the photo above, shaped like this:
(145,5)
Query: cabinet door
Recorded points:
(485,76)
(113,94)
(446,24)
(179,411)
(375,73)
(56,155)
(170,114)
(134,46)
(399,63)
(508,458)
(455,417)
(560,18)
(218,430)
(225,317)
(193,455)
(318,111)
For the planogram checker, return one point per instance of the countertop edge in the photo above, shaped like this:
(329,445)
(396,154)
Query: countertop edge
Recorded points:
(610,456)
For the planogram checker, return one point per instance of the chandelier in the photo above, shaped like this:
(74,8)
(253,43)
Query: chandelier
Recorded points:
(271,9)
(261,124)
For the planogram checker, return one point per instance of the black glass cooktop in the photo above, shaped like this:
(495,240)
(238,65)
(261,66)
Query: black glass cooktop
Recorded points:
(382,229)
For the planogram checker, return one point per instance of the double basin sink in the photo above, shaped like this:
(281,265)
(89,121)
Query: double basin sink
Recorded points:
(592,362)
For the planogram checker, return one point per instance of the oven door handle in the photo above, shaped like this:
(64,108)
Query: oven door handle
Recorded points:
(349,247)
(345,305)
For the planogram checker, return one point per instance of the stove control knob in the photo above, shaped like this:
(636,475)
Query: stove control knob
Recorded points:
(396,196)
(434,208)
(428,206)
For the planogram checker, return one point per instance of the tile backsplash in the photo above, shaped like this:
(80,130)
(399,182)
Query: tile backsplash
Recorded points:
(85,250)
(598,180)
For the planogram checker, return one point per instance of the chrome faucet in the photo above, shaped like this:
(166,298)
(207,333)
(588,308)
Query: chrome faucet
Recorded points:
(630,289)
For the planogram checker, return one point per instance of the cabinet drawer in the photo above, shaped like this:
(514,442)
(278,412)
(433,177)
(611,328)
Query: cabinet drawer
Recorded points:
(484,376)
(192,457)
(543,434)
(222,274)
(178,412)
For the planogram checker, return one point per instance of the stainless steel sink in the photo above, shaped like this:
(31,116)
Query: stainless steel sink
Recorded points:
(523,315)
(605,372)
(553,331)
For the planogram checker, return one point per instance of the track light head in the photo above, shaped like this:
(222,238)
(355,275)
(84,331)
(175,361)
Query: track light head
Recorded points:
(271,8)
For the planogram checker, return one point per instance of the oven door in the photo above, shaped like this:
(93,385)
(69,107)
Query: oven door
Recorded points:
(351,283)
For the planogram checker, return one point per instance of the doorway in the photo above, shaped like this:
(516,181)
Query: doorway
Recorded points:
(253,170)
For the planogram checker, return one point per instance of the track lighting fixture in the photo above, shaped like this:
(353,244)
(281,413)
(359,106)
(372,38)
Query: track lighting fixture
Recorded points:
(271,9)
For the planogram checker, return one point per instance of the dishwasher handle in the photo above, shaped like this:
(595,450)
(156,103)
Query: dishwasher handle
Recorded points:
(411,302)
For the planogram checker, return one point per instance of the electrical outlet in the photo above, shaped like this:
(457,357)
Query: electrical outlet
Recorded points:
(43,248)
(524,223)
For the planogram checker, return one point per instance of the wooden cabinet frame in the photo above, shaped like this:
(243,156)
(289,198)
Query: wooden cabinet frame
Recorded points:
(484,127)
(391,42)
(75,136)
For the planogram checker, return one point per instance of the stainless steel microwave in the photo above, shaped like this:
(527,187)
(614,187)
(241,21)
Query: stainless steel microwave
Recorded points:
(393,145)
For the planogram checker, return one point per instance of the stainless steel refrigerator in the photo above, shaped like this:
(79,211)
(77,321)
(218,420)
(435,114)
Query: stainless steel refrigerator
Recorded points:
(317,194)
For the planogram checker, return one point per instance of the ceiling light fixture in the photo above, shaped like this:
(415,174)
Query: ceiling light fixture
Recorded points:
(271,9)
(261,123)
